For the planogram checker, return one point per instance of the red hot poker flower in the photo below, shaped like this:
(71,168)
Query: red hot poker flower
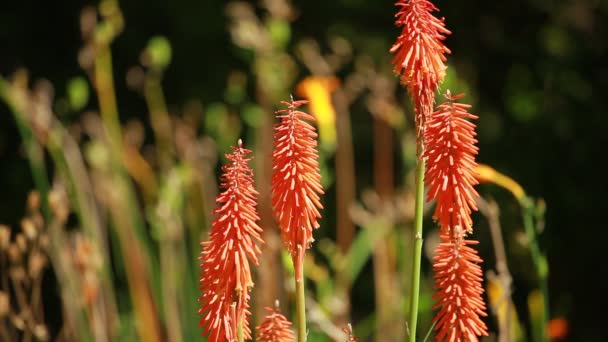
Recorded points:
(420,53)
(296,179)
(458,279)
(450,157)
(226,277)
(274,328)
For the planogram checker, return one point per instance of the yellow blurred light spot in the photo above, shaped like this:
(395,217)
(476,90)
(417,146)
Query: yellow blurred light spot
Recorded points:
(318,89)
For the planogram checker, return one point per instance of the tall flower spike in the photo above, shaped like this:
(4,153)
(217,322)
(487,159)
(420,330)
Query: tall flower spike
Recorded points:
(296,180)
(450,154)
(233,242)
(458,279)
(275,327)
(420,54)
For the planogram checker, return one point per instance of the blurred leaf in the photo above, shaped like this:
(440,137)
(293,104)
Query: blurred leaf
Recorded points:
(536,309)
(362,247)
(159,52)
(236,88)
(365,327)
(316,335)
(556,41)
(78,93)
(327,176)
(280,32)
(252,114)
(522,97)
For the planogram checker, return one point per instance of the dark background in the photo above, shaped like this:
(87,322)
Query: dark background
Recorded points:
(537,69)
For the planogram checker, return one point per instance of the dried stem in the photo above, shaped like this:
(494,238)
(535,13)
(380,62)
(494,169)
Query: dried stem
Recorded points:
(490,210)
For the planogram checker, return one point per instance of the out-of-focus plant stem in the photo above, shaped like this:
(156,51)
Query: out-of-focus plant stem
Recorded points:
(540,264)
(529,212)
(345,174)
(69,286)
(345,196)
(159,118)
(58,239)
(126,214)
(416,260)
(384,264)
(34,151)
(66,156)
(502,304)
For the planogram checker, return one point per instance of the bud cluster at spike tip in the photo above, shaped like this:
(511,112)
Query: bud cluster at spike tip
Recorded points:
(450,163)
(274,328)
(458,279)
(420,53)
(233,241)
(296,179)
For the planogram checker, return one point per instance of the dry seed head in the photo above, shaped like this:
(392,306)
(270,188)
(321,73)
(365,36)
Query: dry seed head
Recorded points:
(21,242)
(38,220)
(18,322)
(4,304)
(36,263)
(17,273)
(5,237)
(29,229)
(58,204)
(14,253)
(41,332)
(33,201)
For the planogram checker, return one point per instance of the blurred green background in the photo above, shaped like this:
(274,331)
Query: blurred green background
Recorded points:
(536,72)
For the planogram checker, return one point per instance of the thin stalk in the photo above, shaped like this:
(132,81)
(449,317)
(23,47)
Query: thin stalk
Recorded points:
(540,263)
(416,260)
(142,273)
(33,149)
(300,296)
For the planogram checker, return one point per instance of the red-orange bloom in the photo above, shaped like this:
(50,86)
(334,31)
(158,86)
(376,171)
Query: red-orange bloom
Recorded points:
(420,53)
(450,159)
(296,179)
(458,280)
(274,328)
(226,277)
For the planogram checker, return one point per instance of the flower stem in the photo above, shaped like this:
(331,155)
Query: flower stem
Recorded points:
(416,260)
(300,297)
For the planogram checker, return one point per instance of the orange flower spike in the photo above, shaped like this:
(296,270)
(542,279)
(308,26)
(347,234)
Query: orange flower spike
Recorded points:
(233,242)
(296,179)
(450,155)
(420,53)
(274,328)
(458,281)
